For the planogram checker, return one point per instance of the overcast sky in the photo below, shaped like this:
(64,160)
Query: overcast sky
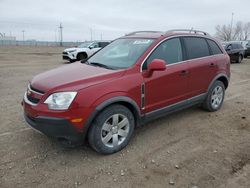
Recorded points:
(112,18)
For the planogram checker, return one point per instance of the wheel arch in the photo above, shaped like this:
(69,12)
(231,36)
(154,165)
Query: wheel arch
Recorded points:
(122,100)
(221,77)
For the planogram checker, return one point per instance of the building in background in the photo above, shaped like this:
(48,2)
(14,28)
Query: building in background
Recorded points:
(7,40)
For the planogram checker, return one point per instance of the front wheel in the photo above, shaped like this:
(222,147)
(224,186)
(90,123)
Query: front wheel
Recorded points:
(112,129)
(81,56)
(215,97)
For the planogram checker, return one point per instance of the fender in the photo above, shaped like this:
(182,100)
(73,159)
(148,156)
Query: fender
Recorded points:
(108,102)
(216,78)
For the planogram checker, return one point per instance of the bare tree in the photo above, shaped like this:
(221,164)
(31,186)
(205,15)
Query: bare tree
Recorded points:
(241,31)
(237,32)
(246,31)
(223,32)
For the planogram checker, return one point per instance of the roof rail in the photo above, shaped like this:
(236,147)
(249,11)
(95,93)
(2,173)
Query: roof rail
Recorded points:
(135,32)
(188,30)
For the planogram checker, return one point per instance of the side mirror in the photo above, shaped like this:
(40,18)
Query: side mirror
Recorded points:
(91,47)
(155,65)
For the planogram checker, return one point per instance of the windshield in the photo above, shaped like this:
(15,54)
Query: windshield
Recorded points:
(122,53)
(84,45)
(224,44)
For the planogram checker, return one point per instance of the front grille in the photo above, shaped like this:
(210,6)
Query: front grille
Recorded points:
(66,57)
(32,99)
(36,90)
(65,53)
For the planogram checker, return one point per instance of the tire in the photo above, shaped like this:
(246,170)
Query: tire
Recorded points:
(215,97)
(240,57)
(105,136)
(81,56)
(71,61)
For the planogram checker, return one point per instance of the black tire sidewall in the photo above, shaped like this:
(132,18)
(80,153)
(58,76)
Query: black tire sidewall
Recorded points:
(239,60)
(94,135)
(208,103)
(81,56)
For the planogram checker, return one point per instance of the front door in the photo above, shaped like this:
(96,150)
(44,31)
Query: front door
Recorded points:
(164,88)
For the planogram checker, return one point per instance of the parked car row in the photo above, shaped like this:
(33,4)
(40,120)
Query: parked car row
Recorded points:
(237,50)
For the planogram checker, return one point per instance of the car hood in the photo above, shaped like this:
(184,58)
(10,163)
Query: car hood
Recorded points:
(69,49)
(74,76)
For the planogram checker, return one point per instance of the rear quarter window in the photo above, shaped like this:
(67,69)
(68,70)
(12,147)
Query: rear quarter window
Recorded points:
(196,47)
(215,49)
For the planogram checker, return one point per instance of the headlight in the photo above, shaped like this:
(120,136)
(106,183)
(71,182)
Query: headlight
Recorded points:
(60,101)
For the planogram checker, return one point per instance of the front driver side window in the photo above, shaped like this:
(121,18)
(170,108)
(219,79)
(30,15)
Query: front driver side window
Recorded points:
(170,51)
(94,45)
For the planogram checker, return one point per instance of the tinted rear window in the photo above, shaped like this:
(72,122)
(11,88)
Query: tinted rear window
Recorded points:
(214,47)
(103,44)
(196,47)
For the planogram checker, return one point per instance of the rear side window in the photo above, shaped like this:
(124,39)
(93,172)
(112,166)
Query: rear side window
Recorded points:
(103,44)
(240,46)
(196,47)
(170,51)
(214,47)
(235,46)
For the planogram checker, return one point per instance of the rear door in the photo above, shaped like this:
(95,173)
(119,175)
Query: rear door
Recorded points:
(202,66)
(166,87)
(235,51)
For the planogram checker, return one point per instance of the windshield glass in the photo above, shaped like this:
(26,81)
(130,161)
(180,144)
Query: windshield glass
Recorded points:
(84,45)
(224,44)
(122,53)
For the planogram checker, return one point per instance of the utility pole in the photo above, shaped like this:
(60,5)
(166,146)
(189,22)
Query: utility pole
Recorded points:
(231,26)
(91,34)
(23,34)
(101,36)
(55,36)
(61,35)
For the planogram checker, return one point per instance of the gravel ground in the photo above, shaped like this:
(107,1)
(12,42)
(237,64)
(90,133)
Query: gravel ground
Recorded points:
(191,148)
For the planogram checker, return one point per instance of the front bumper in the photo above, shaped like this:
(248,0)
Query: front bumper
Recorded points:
(58,128)
(68,56)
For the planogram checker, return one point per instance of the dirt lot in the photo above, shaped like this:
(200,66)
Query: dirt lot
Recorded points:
(191,148)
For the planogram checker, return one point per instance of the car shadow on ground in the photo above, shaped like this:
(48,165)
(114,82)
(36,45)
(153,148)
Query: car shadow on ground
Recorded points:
(140,135)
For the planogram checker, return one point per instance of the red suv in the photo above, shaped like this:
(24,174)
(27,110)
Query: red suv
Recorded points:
(136,78)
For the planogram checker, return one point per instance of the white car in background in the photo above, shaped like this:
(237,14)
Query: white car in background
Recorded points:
(83,51)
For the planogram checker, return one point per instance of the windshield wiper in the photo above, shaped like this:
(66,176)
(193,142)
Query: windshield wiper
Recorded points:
(100,65)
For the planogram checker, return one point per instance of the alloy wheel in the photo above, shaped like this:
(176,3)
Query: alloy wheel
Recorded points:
(217,97)
(115,130)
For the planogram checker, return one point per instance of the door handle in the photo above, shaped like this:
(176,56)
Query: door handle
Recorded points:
(184,72)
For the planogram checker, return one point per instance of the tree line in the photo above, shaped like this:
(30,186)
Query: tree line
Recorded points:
(241,31)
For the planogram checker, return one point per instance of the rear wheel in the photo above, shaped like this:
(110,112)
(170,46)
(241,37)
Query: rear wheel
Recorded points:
(112,129)
(215,97)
